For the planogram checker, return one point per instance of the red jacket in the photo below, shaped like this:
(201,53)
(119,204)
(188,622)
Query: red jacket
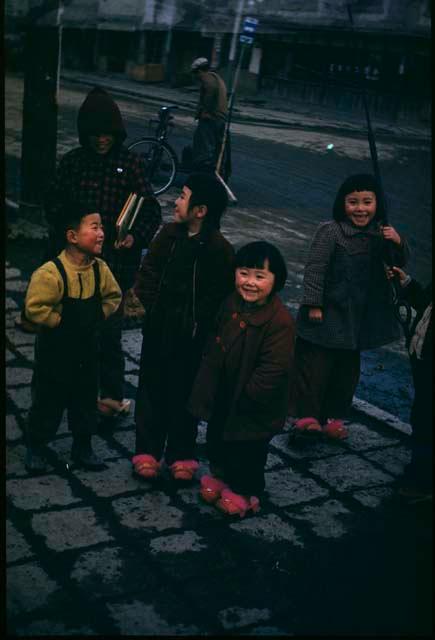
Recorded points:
(245,376)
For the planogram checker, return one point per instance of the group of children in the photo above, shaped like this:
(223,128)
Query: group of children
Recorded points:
(218,343)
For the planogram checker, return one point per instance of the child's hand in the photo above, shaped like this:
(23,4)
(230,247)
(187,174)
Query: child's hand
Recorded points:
(390,233)
(395,271)
(127,243)
(315,314)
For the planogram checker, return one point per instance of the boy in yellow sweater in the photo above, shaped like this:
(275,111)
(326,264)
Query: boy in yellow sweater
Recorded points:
(68,298)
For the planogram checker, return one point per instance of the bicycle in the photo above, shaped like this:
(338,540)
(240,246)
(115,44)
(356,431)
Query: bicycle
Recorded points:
(159,159)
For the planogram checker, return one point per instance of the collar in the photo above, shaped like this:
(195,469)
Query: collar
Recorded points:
(256,317)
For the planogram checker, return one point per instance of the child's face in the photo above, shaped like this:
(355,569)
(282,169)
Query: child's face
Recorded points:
(360,207)
(182,213)
(253,284)
(89,236)
(101,143)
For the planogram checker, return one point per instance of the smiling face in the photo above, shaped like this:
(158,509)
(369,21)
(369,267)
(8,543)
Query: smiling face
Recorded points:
(88,238)
(254,284)
(360,207)
(101,143)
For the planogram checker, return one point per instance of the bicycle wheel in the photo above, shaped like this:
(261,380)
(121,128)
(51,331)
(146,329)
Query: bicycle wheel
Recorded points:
(159,162)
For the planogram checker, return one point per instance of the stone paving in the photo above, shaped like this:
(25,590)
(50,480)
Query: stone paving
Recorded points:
(103,553)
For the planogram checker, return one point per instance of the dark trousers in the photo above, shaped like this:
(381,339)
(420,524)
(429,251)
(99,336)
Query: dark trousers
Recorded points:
(160,413)
(111,357)
(240,464)
(207,141)
(325,380)
(419,472)
(60,382)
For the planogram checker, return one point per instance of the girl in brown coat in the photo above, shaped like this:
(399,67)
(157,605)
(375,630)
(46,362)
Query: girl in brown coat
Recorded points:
(242,387)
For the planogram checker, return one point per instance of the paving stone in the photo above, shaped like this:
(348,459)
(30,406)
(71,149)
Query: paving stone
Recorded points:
(16,545)
(132,343)
(323,518)
(11,272)
(9,356)
(133,380)
(18,375)
(236,617)
(113,481)
(302,447)
(374,496)
(27,352)
(21,397)
(270,528)
(53,628)
(266,631)
(15,460)
(70,529)
(148,511)
(177,543)
(37,492)
(127,439)
(347,472)
(18,337)
(287,488)
(137,618)
(393,459)
(273,461)
(131,365)
(62,446)
(362,437)
(202,433)
(190,496)
(13,431)
(10,321)
(28,588)
(16,285)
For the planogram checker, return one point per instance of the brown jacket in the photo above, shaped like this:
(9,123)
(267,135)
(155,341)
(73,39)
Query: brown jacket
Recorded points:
(245,375)
(212,97)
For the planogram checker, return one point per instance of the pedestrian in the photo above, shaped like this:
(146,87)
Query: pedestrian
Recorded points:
(68,298)
(103,169)
(346,307)
(211,114)
(243,385)
(182,280)
(417,479)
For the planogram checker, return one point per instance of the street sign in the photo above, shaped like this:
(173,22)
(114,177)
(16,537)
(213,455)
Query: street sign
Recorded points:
(250,25)
(246,39)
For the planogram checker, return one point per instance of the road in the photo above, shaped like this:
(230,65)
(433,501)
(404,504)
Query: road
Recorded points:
(285,180)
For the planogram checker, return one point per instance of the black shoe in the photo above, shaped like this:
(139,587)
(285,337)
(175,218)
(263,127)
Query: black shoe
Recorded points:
(35,462)
(86,458)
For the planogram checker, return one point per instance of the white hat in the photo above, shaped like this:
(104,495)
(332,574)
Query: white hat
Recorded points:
(198,63)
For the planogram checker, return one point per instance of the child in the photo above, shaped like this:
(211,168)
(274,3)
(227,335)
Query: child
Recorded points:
(243,384)
(68,298)
(184,277)
(417,480)
(346,306)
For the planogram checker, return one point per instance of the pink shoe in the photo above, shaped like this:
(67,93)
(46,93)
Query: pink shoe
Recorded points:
(145,466)
(308,424)
(184,469)
(335,429)
(211,489)
(234,504)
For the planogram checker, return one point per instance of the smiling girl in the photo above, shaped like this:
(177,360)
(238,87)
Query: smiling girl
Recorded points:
(346,306)
(243,384)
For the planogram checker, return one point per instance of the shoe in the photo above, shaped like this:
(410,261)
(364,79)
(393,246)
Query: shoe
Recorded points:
(234,504)
(335,429)
(35,462)
(110,408)
(25,325)
(307,425)
(211,489)
(145,466)
(83,456)
(184,469)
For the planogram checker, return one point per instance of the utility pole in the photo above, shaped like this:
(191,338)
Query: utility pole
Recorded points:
(40,107)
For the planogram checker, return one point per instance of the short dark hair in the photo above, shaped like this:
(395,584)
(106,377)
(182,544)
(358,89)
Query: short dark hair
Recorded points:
(254,254)
(71,215)
(358,182)
(209,191)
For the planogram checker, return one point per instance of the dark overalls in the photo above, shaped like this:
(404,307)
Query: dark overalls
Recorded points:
(66,369)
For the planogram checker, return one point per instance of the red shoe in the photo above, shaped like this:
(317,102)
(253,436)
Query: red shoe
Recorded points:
(335,429)
(310,425)
(145,466)
(234,504)
(211,489)
(184,469)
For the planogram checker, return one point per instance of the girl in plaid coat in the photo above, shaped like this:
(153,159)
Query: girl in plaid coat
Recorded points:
(346,307)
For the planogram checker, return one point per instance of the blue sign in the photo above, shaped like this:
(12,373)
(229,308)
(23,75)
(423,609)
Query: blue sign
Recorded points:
(246,39)
(250,25)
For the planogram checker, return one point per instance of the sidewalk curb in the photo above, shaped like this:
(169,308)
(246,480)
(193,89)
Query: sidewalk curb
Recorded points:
(381,416)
